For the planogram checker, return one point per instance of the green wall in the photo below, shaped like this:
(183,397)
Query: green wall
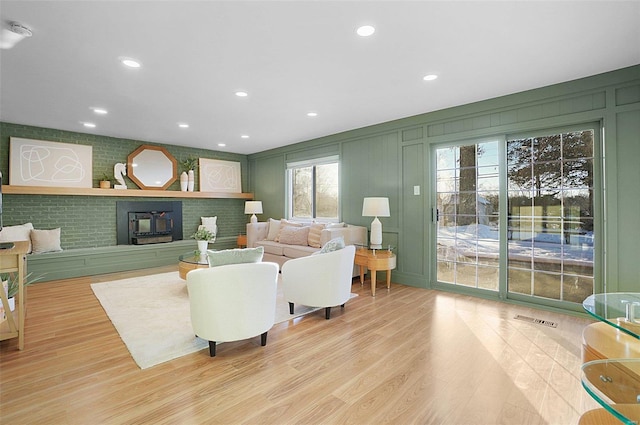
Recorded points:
(89,221)
(389,159)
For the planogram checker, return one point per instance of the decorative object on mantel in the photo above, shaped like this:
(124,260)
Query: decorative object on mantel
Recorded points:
(189,165)
(152,167)
(253,207)
(220,176)
(191,181)
(52,164)
(375,207)
(120,170)
(184,181)
(105,181)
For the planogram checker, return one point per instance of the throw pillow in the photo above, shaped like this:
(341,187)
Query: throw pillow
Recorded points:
(333,245)
(315,232)
(45,240)
(284,223)
(235,256)
(274,229)
(209,223)
(21,232)
(292,235)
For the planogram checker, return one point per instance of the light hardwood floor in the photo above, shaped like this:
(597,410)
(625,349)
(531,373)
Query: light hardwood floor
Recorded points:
(407,356)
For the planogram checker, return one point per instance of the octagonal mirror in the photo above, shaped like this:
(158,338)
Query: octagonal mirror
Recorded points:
(152,167)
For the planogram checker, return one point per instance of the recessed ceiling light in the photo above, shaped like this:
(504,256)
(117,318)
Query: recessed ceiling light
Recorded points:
(312,114)
(244,136)
(222,145)
(430,77)
(89,124)
(242,94)
(131,63)
(365,31)
(100,111)
(183,125)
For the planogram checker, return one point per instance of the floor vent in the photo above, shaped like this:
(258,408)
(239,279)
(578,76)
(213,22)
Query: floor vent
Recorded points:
(537,321)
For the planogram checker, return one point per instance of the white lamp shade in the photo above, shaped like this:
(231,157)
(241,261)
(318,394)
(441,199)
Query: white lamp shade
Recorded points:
(253,207)
(375,207)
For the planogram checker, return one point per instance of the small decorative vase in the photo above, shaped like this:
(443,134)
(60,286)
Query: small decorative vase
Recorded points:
(105,184)
(202,246)
(191,181)
(184,180)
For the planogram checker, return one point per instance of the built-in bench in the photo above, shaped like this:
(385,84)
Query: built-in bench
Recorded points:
(110,259)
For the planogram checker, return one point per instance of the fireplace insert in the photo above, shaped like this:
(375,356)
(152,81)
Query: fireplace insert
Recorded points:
(141,223)
(150,227)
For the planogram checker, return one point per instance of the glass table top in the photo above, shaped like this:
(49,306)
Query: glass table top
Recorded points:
(620,310)
(615,385)
(390,248)
(191,258)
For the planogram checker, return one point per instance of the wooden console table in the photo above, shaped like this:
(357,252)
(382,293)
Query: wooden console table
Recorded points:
(14,260)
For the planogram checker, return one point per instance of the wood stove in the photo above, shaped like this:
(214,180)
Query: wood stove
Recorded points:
(141,223)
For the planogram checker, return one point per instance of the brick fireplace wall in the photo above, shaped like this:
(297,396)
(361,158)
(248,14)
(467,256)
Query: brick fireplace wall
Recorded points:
(77,215)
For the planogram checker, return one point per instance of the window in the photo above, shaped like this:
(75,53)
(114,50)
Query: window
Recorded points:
(314,189)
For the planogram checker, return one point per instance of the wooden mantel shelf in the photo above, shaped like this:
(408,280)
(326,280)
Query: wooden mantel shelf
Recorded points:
(136,193)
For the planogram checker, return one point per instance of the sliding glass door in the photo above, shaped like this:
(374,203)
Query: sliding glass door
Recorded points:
(551,225)
(468,203)
(531,217)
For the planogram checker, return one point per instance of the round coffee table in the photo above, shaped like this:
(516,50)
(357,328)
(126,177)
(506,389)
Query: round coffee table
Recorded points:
(189,261)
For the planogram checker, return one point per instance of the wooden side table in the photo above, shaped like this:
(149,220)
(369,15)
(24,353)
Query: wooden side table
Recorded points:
(14,260)
(242,241)
(374,260)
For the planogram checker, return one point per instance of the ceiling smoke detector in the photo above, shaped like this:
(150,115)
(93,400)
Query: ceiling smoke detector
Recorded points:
(20,29)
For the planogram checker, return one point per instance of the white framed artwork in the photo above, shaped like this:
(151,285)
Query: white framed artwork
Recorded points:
(44,163)
(219,176)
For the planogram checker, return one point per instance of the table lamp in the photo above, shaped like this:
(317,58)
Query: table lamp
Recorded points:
(375,207)
(253,207)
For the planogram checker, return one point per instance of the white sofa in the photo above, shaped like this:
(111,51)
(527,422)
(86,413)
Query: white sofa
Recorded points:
(278,252)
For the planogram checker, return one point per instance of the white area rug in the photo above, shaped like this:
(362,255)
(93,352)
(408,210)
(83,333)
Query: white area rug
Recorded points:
(151,314)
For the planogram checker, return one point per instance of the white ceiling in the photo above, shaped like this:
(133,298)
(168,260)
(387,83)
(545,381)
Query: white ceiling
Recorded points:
(292,58)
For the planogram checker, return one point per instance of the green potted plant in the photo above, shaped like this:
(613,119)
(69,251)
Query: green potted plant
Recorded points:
(187,178)
(105,181)
(11,287)
(189,164)
(202,237)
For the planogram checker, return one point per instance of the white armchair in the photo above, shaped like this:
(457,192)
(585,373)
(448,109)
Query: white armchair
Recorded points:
(233,302)
(321,280)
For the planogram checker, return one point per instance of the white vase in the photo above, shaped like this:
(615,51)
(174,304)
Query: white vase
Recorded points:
(202,246)
(12,300)
(191,181)
(184,180)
